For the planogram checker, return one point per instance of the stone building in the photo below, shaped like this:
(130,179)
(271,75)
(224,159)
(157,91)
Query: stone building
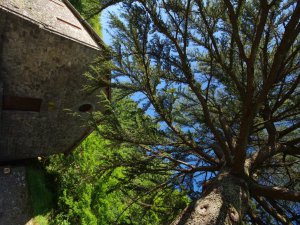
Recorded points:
(45,48)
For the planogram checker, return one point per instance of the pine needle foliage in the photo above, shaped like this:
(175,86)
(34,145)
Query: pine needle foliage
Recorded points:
(93,189)
(216,90)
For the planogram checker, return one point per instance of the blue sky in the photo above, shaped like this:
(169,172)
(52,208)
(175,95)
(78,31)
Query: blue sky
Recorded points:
(104,22)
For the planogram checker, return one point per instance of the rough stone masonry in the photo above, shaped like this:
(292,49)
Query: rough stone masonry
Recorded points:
(45,49)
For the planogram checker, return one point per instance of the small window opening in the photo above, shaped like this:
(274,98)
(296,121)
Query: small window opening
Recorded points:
(21,103)
(85,108)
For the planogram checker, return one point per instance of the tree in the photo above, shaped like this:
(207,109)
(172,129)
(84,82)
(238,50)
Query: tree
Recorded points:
(218,82)
(92,189)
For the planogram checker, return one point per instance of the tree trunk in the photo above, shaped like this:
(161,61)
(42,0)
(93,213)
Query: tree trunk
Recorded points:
(223,202)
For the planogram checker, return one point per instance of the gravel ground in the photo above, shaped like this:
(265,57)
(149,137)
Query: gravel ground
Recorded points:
(14,198)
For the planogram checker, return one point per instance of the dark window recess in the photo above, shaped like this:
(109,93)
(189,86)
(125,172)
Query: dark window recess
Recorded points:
(85,108)
(21,103)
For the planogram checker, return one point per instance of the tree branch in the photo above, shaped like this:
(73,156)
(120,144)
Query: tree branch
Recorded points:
(289,36)
(282,218)
(254,218)
(274,192)
(235,29)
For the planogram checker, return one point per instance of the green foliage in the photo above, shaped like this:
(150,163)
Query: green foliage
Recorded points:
(41,196)
(93,192)
(218,82)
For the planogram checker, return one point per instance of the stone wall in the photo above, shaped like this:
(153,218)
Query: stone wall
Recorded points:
(38,63)
(52,15)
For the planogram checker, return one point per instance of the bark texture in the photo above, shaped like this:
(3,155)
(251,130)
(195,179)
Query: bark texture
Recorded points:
(224,202)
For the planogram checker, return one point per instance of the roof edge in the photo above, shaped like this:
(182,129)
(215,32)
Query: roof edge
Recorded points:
(47,28)
(86,25)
